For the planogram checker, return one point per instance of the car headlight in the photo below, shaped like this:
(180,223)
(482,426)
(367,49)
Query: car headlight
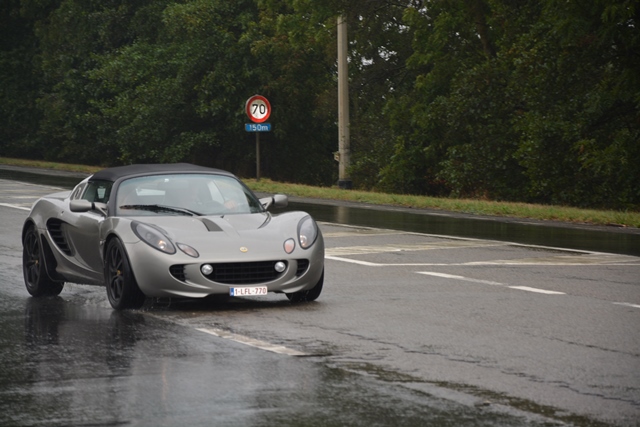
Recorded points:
(153,237)
(307,232)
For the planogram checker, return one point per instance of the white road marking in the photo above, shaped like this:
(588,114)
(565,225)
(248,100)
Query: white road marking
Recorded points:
(635,261)
(489,282)
(536,290)
(626,304)
(588,258)
(570,258)
(354,261)
(242,339)
(573,257)
(466,279)
(15,207)
(364,250)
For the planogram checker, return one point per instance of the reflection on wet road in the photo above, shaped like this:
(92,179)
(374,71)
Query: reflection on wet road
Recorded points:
(67,364)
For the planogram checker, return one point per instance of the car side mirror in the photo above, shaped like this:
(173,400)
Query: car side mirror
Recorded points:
(82,205)
(280,201)
(276,201)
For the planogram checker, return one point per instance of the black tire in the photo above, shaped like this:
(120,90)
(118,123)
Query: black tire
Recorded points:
(36,279)
(122,289)
(308,295)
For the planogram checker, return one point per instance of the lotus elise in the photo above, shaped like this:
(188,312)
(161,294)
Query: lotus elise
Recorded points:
(170,231)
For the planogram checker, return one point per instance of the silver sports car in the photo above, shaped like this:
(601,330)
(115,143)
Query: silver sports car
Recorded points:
(170,230)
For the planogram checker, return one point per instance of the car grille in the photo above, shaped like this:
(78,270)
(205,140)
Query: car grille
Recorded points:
(177,271)
(303,265)
(244,273)
(57,235)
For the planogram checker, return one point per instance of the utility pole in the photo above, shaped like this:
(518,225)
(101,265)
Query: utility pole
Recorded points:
(344,151)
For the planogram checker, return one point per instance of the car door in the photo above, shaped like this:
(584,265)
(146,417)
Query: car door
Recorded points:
(84,229)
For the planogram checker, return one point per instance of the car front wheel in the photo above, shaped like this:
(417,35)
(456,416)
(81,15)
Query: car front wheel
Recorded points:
(38,283)
(308,295)
(122,289)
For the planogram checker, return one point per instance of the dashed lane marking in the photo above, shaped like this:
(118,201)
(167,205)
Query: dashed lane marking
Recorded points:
(363,250)
(466,279)
(242,339)
(626,304)
(536,290)
(489,282)
(7,205)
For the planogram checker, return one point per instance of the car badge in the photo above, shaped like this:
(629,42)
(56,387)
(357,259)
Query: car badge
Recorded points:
(244,249)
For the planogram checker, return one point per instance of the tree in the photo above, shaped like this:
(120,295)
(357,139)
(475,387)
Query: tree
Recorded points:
(20,81)
(73,37)
(175,95)
(578,71)
(533,101)
(500,99)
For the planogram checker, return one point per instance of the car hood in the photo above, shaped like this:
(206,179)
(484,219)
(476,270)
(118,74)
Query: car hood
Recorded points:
(202,224)
(256,225)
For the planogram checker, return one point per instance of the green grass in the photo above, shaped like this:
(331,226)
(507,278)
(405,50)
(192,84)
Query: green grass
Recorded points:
(470,206)
(49,165)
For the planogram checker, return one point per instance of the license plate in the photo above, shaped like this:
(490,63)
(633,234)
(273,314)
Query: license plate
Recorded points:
(248,291)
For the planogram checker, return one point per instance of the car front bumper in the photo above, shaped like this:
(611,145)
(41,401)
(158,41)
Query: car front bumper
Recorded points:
(162,275)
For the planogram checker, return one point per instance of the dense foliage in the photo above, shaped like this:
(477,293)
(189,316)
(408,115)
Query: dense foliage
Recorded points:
(500,99)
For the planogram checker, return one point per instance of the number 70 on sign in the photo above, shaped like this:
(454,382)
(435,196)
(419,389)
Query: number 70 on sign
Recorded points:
(258,108)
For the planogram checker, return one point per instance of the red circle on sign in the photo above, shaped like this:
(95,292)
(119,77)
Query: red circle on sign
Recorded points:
(258,108)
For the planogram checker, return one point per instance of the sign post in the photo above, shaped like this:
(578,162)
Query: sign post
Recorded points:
(258,109)
(344,144)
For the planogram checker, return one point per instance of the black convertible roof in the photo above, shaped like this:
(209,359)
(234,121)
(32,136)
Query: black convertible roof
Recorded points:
(115,173)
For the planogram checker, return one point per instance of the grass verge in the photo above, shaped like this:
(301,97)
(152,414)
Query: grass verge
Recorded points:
(470,206)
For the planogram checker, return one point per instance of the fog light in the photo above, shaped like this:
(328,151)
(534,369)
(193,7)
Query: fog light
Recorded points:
(280,266)
(206,269)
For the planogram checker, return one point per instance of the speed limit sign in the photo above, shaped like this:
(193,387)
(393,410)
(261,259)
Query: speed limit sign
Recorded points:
(258,108)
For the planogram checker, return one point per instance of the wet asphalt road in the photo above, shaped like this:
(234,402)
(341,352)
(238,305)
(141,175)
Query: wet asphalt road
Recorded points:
(412,329)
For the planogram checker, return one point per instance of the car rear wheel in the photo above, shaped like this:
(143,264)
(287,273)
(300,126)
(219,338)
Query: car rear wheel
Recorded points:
(308,295)
(38,283)
(122,289)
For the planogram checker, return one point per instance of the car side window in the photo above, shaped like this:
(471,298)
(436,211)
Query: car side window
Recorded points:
(77,192)
(98,191)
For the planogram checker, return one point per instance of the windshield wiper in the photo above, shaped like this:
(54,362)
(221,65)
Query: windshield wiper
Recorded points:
(162,208)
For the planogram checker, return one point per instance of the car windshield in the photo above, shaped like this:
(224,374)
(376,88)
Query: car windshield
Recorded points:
(185,194)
